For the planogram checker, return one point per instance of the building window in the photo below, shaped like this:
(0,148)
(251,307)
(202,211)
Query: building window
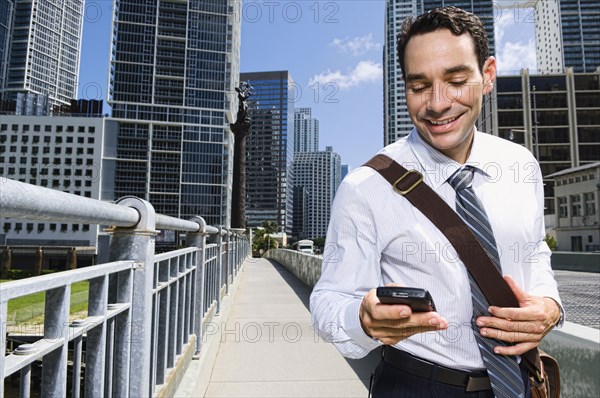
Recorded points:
(52,227)
(562,207)
(64,227)
(575,206)
(590,203)
(41,228)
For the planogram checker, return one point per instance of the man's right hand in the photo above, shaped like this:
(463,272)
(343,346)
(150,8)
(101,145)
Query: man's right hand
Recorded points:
(391,323)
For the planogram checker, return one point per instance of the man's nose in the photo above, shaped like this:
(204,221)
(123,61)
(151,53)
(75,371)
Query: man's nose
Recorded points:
(438,100)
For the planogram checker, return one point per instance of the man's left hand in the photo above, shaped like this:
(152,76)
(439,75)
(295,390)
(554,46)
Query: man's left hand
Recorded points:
(524,326)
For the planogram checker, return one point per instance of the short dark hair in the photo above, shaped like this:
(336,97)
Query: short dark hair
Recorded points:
(456,20)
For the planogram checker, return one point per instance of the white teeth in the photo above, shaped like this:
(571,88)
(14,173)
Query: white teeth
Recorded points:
(442,122)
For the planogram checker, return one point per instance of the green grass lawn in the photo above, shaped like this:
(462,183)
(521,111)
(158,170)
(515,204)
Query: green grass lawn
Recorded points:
(31,306)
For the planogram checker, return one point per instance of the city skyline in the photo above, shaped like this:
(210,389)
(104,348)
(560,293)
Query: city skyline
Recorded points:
(338,72)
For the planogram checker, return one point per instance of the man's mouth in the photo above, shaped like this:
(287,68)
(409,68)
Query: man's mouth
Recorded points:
(443,122)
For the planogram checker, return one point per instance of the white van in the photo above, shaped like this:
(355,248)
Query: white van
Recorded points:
(305,246)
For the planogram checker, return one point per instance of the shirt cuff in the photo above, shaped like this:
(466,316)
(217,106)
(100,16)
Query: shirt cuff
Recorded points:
(355,331)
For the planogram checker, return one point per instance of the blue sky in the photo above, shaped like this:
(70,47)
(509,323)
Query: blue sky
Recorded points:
(333,50)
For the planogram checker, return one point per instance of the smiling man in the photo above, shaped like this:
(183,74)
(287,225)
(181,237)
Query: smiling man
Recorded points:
(381,239)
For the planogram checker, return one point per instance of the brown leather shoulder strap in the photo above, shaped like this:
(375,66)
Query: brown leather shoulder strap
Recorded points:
(409,183)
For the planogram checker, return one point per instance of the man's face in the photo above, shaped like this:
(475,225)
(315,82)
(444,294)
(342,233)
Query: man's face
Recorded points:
(445,88)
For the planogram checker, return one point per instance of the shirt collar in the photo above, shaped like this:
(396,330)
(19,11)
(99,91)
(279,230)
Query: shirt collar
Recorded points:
(437,167)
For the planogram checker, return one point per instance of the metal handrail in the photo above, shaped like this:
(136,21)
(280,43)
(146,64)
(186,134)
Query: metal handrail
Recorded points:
(165,300)
(21,200)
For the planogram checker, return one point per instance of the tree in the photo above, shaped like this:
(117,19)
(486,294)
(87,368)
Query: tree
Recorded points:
(319,242)
(261,240)
(551,242)
(270,227)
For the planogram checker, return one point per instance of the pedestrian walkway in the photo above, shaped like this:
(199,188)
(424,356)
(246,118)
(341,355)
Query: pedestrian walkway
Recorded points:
(580,294)
(263,344)
(269,347)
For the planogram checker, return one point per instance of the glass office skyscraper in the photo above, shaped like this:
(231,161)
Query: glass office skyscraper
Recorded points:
(580,23)
(397,123)
(173,70)
(6,10)
(40,45)
(270,150)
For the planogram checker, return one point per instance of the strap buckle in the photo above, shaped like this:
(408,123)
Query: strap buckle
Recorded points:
(407,190)
(478,384)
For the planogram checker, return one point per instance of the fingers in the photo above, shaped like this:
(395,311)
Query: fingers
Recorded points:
(532,313)
(391,323)
(516,336)
(517,349)
(520,294)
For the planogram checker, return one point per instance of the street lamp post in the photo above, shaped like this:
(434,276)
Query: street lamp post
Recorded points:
(535,127)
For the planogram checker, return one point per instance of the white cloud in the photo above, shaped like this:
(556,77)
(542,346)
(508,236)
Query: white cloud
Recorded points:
(356,46)
(514,56)
(364,72)
(515,43)
(504,23)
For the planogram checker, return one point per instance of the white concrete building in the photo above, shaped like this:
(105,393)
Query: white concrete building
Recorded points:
(62,153)
(318,173)
(577,196)
(306,131)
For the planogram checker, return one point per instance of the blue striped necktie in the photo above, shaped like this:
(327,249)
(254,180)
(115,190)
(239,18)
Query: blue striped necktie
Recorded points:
(504,372)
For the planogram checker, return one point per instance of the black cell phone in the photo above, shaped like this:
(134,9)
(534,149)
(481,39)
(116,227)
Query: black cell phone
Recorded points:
(419,300)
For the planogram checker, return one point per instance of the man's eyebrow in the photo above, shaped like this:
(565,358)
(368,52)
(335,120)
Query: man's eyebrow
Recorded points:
(457,69)
(450,71)
(415,76)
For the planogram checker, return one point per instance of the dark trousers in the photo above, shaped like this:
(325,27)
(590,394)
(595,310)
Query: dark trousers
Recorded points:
(391,382)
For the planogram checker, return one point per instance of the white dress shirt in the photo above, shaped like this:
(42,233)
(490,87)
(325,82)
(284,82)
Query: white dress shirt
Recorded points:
(376,237)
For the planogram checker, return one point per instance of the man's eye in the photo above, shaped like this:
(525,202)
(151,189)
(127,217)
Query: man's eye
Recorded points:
(460,83)
(418,89)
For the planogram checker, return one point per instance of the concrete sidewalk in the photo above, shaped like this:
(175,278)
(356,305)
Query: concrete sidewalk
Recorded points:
(268,347)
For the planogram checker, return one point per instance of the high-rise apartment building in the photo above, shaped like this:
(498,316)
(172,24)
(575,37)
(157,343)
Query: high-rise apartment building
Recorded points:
(41,55)
(306,131)
(397,123)
(567,34)
(556,116)
(173,70)
(270,150)
(319,174)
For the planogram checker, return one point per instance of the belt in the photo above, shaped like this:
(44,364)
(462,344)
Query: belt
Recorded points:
(471,381)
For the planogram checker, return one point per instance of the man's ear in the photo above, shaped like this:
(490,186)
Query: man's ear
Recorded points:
(489,75)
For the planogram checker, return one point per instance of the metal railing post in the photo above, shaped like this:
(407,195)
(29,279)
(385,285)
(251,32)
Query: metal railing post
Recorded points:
(3,324)
(54,371)
(137,244)
(228,255)
(219,267)
(198,240)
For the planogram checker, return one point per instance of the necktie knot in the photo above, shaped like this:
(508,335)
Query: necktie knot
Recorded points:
(462,178)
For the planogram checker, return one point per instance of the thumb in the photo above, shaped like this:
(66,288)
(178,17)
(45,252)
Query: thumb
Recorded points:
(520,294)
